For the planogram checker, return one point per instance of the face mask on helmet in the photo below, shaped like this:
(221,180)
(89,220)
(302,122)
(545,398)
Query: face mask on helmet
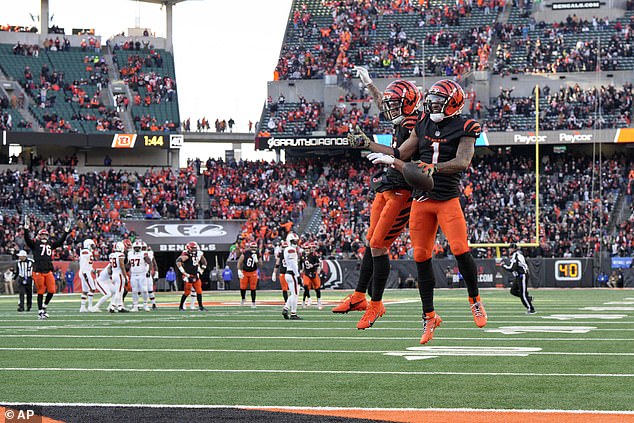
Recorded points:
(391,110)
(435,107)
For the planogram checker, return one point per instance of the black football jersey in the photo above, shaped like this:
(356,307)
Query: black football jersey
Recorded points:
(391,178)
(43,251)
(188,263)
(437,143)
(250,263)
(311,263)
(280,256)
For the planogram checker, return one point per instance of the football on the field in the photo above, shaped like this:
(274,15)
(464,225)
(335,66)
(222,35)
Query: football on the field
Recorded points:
(415,177)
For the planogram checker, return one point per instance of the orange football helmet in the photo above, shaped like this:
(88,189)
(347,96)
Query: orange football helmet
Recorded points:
(444,99)
(400,99)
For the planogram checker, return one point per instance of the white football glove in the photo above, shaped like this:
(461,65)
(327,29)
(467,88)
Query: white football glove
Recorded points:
(380,158)
(27,222)
(240,274)
(363,75)
(273,275)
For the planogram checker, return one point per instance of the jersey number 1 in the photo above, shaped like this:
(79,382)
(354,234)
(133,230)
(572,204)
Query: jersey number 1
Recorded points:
(436,147)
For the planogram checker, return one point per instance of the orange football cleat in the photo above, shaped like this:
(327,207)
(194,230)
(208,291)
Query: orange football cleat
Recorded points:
(430,323)
(353,302)
(375,310)
(478,311)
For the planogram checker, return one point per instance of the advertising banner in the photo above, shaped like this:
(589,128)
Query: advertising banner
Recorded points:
(173,235)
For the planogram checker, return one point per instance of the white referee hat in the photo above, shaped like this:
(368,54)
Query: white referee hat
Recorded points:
(22,253)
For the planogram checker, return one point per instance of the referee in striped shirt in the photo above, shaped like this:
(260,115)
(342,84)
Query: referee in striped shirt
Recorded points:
(519,269)
(24,271)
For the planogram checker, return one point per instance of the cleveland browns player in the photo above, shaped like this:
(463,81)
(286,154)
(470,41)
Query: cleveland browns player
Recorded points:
(187,264)
(280,269)
(391,206)
(445,143)
(311,264)
(42,251)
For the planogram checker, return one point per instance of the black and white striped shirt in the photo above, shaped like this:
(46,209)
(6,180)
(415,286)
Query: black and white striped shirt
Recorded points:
(25,268)
(518,263)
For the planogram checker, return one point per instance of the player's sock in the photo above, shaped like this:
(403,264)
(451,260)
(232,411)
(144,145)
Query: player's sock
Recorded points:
(90,296)
(365,273)
(469,271)
(285,295)
(83,300)
(318,293)
(48,298)
(135,299)
(40,300)
(243,293)
(381,265)
(125,293)
(253,295)
(152,297)
(192,297)
(426,284)
(145,297)
(199,297)
(183,298)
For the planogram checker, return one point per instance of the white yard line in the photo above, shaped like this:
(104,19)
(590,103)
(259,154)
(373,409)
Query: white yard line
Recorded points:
(276,351)
(292,371)
(311,338)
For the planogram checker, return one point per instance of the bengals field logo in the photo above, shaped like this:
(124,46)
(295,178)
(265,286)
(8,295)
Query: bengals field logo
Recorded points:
(332,274)
(123,141)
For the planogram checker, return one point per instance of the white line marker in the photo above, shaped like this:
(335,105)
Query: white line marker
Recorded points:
(292,371)
(440,351)
(608,308)
(516,330)
(585,316)
(313,338)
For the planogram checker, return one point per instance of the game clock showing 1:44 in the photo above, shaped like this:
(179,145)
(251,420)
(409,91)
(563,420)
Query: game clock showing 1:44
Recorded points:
(568,270)
(153,141)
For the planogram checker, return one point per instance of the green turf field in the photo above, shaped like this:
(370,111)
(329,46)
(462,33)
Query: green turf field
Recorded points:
(582,359)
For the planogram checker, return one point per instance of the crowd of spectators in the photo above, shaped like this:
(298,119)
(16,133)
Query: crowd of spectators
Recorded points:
(94,201)
(347,116)
(569,108)
(301,118)
(549,52)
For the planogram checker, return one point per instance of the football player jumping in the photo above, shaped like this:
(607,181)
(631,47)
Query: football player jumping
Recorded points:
(391,206)
(445,143)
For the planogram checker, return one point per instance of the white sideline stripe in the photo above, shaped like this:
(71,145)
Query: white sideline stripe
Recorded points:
(286,351)
(309,338)
(336,372)
(297,408)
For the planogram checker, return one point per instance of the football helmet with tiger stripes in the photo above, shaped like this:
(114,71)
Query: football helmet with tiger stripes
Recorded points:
(400,99)
(444,99)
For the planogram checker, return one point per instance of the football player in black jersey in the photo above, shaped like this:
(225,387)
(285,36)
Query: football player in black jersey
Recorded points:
(445,144)
(391,206)
(42,249)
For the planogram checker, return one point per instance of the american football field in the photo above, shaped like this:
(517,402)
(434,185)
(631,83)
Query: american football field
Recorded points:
(573,360)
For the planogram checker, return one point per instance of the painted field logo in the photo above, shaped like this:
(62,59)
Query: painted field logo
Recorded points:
(424,353)
(516,330)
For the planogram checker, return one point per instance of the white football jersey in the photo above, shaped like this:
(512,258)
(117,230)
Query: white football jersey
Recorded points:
(291,257)
(150,255)
(85,261)
(113,258)
(137,262)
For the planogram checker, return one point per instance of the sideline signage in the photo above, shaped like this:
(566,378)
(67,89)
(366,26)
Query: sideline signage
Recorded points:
(173,235)
(577,5)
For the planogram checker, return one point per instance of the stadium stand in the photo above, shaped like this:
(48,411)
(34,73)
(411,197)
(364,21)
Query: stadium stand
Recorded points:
(98,200)
(69,86)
